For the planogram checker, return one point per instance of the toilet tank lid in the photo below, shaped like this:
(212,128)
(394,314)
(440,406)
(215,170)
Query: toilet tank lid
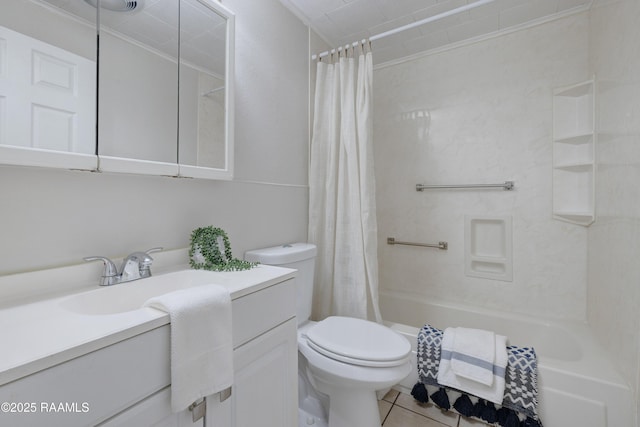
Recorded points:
(283,254)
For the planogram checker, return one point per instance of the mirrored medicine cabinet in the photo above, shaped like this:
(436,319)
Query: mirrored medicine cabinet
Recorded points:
(151,94)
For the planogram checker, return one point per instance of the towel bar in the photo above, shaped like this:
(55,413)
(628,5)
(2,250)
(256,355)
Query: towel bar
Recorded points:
(440,245)
(507,186)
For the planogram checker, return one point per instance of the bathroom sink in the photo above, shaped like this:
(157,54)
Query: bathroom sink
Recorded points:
(131,296)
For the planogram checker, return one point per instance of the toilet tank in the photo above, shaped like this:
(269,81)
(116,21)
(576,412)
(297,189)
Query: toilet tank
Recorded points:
(300,256)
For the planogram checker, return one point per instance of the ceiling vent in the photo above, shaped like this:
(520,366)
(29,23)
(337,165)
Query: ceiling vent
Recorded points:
(117,5)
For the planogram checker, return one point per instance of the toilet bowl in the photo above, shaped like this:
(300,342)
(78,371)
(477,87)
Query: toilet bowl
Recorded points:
(343,359)
(349,360)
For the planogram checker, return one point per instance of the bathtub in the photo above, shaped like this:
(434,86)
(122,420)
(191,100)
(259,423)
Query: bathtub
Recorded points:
(577,383)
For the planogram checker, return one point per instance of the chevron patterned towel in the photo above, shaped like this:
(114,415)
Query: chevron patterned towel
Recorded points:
(521,390)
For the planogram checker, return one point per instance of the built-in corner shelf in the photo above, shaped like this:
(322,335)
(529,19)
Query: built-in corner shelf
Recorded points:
(574,139)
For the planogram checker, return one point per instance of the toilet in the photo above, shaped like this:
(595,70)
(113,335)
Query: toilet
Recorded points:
(343,361)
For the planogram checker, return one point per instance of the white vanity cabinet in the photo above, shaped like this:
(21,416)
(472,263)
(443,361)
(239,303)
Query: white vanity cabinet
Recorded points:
(128,383)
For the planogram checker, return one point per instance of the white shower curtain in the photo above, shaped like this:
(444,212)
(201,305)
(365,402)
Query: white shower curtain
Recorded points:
(342,206)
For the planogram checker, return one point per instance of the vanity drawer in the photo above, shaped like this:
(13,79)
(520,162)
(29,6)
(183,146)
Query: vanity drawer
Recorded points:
(258,312)
(91,388)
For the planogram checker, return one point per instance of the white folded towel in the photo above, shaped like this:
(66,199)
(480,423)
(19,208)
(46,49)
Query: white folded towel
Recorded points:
(474,351)
(201,342)
(447,377)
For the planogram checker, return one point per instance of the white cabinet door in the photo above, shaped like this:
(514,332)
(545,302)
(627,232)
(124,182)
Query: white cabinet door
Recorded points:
(266,379)
(265,389)
(154,411)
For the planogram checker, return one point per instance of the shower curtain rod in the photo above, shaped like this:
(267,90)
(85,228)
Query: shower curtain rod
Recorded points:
(409,26)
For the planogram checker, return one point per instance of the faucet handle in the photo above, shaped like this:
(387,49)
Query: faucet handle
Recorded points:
(138,265)
(110,272)
(145,264)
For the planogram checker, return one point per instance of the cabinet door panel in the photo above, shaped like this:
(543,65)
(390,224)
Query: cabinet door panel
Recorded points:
(265,389)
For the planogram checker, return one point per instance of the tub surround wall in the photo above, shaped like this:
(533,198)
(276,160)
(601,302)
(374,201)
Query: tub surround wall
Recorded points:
(56,217)
(490,107)
(614,239)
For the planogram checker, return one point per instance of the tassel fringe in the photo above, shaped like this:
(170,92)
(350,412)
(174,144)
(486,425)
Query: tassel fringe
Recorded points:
(441,399)
(482,409)
(489,413)
(419,392)
(464,406)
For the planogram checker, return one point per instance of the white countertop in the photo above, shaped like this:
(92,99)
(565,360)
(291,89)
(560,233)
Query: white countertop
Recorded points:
(40,334)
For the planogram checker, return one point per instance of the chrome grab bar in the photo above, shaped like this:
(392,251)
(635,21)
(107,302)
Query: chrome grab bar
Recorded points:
(440,245)
(507,186)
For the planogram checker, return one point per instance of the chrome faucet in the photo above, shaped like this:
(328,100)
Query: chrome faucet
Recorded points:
(135,266)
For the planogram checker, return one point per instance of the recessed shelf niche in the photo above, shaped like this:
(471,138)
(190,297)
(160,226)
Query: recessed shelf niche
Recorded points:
(488,247)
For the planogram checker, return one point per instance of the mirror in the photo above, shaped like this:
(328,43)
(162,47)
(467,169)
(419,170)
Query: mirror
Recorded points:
(163,96)
(138,88)
(163,104)
(203,37)
(47,84)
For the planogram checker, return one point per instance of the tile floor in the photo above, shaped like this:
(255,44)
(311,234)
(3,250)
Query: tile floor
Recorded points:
(401,410)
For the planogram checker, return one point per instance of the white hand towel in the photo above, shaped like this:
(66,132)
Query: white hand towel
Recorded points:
(446,376)
(201,342)
(474,351)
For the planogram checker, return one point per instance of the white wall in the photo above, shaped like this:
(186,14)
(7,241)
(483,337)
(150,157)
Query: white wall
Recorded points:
(56,217)
(271,93)
(491,119)
(614,239)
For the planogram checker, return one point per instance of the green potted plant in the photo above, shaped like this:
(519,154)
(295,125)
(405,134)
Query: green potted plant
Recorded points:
(206,254)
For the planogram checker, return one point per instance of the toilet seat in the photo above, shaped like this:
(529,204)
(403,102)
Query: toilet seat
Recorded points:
(358,342)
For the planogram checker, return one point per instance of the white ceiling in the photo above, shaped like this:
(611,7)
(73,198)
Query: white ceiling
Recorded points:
(340,22)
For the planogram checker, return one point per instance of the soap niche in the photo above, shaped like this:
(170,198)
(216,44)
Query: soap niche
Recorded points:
(488,247)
